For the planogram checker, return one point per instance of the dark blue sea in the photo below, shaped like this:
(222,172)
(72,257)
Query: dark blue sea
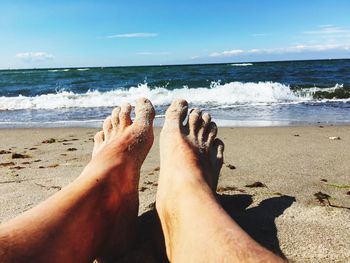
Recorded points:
(236,94)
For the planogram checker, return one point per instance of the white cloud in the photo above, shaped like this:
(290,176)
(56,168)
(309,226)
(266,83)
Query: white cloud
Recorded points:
(34,56)
(259,35)
(144,53)
(133,35)
(229,53)
(329,34)
(328,30)
(152,53)
(283,50)
(323,38)
(194,57)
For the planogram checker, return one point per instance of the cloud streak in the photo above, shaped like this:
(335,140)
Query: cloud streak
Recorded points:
(285,50)
(229,53)
(133,35)
(34,56)
(325,38)
(259,35)
(152,53)
(328,30)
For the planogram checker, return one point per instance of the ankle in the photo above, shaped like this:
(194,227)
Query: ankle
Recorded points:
(112,183)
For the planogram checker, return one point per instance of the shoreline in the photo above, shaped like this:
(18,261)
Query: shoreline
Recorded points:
(294,164)
(221,123)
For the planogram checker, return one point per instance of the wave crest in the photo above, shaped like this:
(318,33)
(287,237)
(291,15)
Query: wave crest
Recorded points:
(242,64)
(59,70)
(217,95)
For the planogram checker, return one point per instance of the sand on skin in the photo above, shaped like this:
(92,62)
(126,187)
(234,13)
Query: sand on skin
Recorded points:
(283,216)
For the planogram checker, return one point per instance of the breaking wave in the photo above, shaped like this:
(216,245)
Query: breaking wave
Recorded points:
(59,70)
(242,64)
(217,95)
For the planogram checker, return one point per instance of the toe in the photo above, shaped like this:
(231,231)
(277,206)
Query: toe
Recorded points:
(194,122)
(219,147)
(212,131)
(202,132)
(144,112)
(98,140)
(99,137)
(124,115)
(115,117)
(107,127)
(176,114)
(216,155)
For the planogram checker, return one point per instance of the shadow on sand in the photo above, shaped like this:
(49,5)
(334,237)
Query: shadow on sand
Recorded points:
(258,222)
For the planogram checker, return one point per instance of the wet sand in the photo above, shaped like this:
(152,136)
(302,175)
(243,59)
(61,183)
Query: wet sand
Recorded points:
(288,187)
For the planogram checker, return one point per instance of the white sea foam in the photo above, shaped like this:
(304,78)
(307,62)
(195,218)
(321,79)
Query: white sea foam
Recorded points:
(59,70)
(217,96)
(242,64)
(83,69)
(313,90)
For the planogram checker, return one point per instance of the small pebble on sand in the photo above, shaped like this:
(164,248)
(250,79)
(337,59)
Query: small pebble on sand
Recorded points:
(230,166)
(20,156)
(6,164)
(322,197)
(53,165)
(142,189)
(71,149)
(51,140)
(17,167)
(256,184)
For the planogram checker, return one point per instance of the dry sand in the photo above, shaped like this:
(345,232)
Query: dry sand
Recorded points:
(292,163)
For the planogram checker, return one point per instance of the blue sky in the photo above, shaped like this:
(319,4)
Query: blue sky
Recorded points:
(114,33)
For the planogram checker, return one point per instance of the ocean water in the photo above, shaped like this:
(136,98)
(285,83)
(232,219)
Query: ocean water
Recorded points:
(236,94)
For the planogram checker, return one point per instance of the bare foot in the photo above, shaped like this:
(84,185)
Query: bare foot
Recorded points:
(126,143)
(191,158)
(95,215)
(196,228)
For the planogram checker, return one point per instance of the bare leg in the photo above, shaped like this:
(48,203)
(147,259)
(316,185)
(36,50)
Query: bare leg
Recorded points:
(195,226)
(96,214)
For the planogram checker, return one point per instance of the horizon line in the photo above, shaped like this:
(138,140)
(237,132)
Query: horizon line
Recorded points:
(184,64)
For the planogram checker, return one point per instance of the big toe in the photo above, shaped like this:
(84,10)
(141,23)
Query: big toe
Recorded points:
(144,112)
(176,114)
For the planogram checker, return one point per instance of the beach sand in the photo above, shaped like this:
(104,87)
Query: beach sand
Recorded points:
(291,164)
